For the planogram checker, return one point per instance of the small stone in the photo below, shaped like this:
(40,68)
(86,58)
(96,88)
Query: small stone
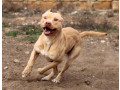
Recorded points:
(23,65)
(84,69)
(5,68)
(24,23)
(7,29)
(16,61)
(27,52)
(91,42)
(38,23)
(91,39)
(20,18)
(75,12)
(102,41)
(103,50)
(71,23)
(106,38)
(87,82)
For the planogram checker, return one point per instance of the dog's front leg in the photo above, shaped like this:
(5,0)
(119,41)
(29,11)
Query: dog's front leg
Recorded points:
(30,63)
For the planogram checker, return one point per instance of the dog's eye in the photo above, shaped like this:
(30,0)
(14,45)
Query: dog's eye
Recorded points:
(45,17)
(55,19)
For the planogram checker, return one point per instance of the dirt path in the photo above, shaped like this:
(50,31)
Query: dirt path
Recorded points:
(96,68)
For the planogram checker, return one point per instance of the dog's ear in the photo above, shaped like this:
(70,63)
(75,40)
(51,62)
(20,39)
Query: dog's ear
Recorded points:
(59,12)
(49,10)
(60,15)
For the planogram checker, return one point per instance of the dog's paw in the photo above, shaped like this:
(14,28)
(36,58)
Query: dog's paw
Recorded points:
(24,75)
(40,70)
(46,78)
(26,72)
(55,81)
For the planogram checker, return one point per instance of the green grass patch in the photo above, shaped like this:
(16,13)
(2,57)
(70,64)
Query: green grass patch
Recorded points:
(113,29)
(101,29)
(5,26)
(30,38)
(31,30)
(12,33)
(116,11)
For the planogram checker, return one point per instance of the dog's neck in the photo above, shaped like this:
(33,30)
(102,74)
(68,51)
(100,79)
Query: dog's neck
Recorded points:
(51,39)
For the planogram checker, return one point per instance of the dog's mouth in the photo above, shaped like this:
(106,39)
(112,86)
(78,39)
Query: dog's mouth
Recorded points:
(48,31)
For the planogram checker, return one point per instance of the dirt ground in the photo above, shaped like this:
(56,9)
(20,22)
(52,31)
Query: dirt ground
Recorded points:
(97,67)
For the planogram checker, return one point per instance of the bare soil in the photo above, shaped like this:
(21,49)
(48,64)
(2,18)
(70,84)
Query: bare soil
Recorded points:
(97,67)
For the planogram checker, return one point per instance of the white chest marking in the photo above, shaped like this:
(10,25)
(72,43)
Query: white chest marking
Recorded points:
(40,51)
(45,51)
(48,46)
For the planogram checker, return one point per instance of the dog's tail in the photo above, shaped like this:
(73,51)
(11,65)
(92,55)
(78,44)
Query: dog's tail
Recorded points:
(86,33)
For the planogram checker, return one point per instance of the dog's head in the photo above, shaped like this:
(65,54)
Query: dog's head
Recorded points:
(51,23)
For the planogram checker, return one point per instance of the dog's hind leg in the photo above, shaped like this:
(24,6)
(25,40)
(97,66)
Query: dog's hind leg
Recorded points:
(65,67)
(71,57)
(48,77)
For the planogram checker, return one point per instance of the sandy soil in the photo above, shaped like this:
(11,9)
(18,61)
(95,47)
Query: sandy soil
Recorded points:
(97,67)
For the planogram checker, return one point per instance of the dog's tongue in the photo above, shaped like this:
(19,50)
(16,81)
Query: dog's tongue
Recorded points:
(46,32)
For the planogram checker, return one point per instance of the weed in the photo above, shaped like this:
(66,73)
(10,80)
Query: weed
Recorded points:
(12,33)
(31,30)
(30,38)
(87,21)
(100,29)
(7,15)
(5,26)
(116,11)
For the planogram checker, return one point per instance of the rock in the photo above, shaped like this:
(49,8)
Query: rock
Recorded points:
(106,38)
(7,29)
(23,65)
(71,23)
(75,12)
(16,14)
(87,82)
(91,42)
(103,50)
(102,41)
(24,23)
(38,23)
(20,18)
(27,52)
(84,69)
(5,67)
(16,61)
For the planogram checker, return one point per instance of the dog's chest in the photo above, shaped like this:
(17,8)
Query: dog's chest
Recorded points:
(45,51)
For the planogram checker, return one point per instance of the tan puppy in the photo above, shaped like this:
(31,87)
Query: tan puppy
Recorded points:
(56,44)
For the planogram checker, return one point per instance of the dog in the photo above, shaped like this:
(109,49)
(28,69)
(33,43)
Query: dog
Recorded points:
(56,44)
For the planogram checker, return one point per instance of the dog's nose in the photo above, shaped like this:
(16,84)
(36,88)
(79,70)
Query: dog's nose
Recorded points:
(48,24)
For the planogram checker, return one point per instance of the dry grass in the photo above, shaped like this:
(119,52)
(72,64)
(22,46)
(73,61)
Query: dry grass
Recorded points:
(92,21)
